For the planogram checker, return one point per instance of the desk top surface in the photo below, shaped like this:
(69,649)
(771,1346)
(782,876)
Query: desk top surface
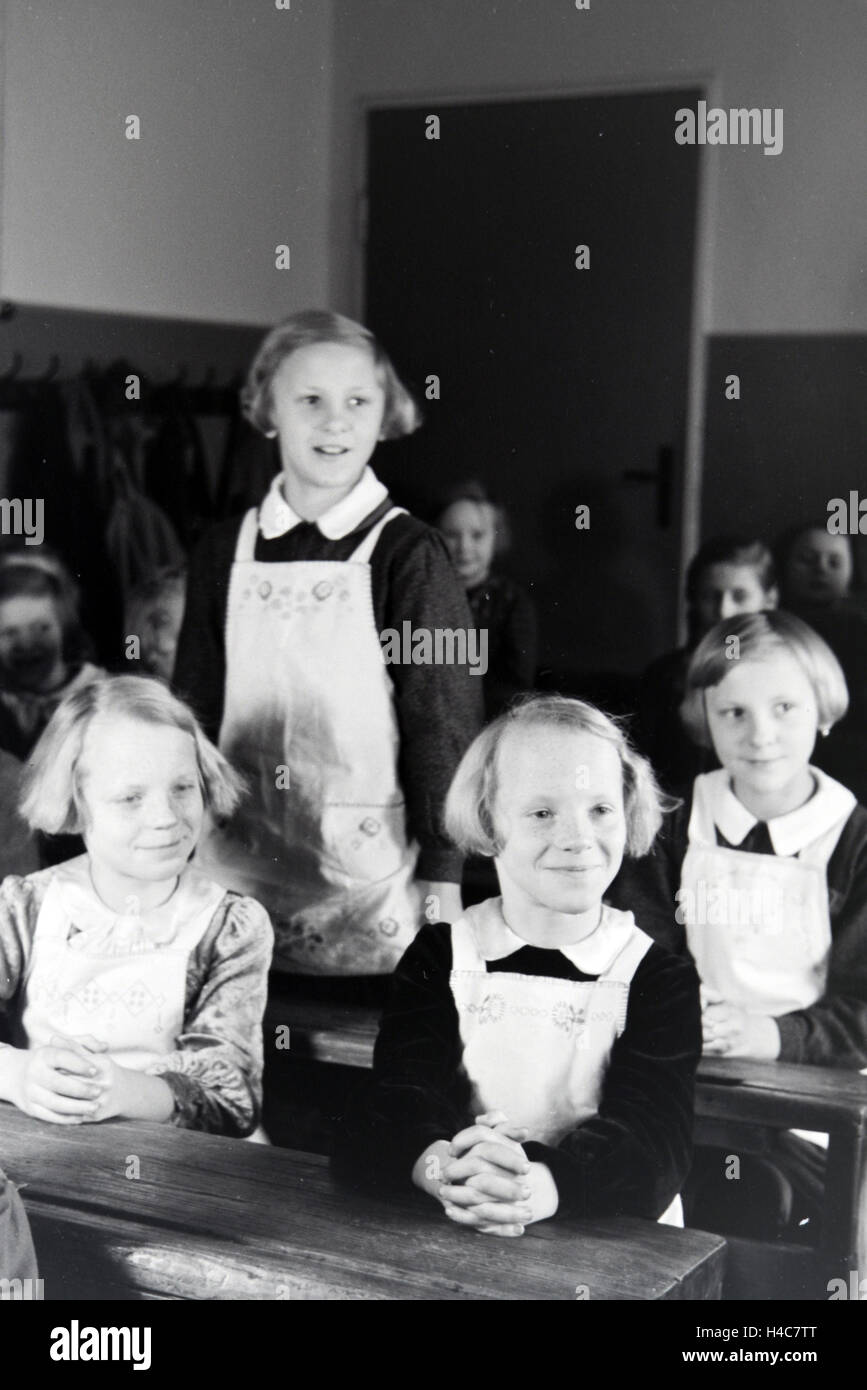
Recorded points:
(218,1218)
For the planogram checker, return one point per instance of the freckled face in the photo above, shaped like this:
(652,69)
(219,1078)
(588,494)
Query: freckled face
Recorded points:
(142,799)
(763,722)
(327,409)
(560,818)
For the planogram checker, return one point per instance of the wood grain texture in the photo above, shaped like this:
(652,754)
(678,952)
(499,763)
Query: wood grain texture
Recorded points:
(217,1219)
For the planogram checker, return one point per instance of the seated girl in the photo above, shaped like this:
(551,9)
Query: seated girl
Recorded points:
(136,986)
(538,1056)
(766,863)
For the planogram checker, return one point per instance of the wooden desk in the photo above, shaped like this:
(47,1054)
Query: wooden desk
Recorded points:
(213,1218)
(737,1099)
(737,1102)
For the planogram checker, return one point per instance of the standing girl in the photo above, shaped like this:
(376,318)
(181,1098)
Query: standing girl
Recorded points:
(136,986)
(539,1054)
(281,653)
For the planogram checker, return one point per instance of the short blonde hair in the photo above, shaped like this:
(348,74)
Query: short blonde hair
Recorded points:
(52,789)
(469,809)
(305,329)
(759,635)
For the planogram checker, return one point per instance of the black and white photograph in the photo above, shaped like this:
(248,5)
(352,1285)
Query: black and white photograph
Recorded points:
(433,667)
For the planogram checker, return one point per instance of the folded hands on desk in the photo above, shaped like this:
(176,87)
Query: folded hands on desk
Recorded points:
(484,1180)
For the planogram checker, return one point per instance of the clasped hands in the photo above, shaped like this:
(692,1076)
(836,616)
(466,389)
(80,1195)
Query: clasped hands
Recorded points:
(484,1180)
(729,1031)
(67,1082)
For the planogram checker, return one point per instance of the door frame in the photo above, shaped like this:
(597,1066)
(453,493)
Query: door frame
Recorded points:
(701,303)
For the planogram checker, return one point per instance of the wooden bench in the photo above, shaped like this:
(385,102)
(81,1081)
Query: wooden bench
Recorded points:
(738,1102)
(216,1219)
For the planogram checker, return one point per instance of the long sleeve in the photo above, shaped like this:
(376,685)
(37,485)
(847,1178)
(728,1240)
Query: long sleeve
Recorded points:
(17,1256)
(215,1071)
(634,1155)
(833,1031)
(200,665)
(418,1092)
(20,899)
(439,706)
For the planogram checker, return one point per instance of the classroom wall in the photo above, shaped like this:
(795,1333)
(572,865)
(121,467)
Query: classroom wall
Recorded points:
(786,253)
(234,102)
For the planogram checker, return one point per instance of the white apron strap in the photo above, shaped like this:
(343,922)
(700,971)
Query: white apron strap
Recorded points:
(245,550)
(361,555)
(465,952)
(622,970)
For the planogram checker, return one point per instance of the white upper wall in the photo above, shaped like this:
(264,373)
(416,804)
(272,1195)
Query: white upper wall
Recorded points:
(787,246)
(234,101)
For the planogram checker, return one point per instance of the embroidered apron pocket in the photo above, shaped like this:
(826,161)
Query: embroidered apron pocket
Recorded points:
(363,843)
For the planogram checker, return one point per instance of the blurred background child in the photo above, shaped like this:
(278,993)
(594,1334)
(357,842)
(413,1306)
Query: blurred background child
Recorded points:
(726,576)
(43,648)
(538,1055)
(135,985)
(476,532)
(818,576)
(154,614)
(348,756)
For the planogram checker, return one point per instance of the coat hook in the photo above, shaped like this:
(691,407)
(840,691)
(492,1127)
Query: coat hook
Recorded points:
(17,363)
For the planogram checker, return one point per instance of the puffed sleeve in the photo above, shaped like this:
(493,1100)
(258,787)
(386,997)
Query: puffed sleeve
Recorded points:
(20,899)
(215,1072)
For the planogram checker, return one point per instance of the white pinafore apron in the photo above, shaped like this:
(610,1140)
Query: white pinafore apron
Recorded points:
(310,722)
(758,925)
(538,1048)
(119,979)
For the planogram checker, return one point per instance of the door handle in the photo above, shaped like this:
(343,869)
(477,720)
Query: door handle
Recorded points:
(663,477)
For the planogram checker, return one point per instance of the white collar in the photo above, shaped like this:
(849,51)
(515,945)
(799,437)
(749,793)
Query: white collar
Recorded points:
(593,956)
(276,517)
(830,804)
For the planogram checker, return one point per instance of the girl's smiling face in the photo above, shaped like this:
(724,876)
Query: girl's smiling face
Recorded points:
(327,405)
(469,531)
(561,824)
(143,807)
(763,721)
(31,643)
